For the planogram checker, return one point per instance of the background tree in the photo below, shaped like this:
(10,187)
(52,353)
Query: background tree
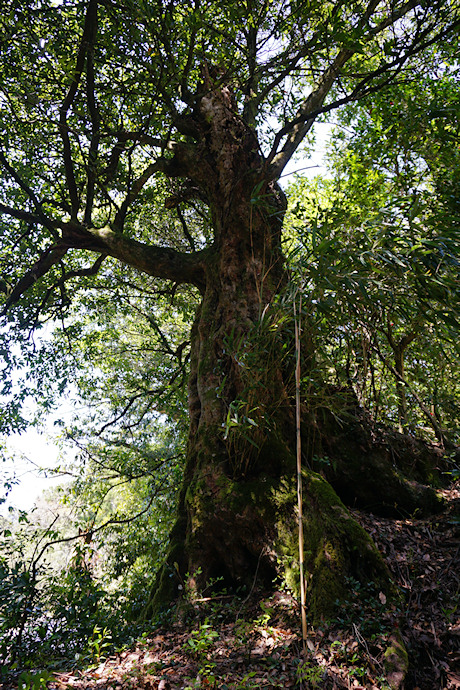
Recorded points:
(386,222)
(204,104)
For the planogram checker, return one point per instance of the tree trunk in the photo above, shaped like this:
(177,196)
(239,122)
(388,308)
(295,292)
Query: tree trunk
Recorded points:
(238,520)
(237,509)
(403,421)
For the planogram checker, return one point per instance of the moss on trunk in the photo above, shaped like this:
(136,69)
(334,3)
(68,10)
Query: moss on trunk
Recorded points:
(374,469)
(245,532)
(336,547)
(396,661)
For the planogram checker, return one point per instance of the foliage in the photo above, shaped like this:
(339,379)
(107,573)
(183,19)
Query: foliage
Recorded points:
(379,256)
(201,640)
(310,674)
(34,681)
(19,600)
(112,221)
(98,643)
(102,95)
(51,611)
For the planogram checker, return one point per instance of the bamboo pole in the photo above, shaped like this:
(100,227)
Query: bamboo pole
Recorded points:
(297,327)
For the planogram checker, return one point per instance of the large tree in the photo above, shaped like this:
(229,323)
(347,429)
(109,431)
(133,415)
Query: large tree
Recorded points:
(108,103)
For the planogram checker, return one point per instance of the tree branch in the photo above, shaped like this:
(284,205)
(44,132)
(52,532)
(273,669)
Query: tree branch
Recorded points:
(86,44)
(184,91)
(302,123)
(19,214)
(41,216)
(95,135)
(83,272)
(120,147)
(93,530)
(439,432)
(299,126)
(185,229)
(158,262)
(133,193)
(49,258)
(125,410)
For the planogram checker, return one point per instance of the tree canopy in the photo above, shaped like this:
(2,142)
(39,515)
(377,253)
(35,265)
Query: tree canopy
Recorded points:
(103,115)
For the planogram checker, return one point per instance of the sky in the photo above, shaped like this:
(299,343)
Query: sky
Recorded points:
(31,454)
(314,165)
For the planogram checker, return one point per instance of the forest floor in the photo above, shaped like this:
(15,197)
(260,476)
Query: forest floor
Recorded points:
(227,642)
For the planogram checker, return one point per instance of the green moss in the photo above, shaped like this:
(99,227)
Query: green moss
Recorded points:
(387,474)
(263,509)
(335,546)
(396,661)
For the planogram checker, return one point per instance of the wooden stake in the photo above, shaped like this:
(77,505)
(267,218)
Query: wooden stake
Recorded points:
(297,327)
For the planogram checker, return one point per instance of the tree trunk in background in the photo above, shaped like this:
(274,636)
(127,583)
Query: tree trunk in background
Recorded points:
(400,389)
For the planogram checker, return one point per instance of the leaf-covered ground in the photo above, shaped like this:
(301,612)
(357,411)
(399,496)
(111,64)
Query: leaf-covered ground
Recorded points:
(226,642)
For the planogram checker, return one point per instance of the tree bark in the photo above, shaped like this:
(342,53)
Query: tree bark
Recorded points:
(237,509)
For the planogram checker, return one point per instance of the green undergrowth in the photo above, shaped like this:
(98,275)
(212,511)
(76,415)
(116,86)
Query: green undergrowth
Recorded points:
(239,640)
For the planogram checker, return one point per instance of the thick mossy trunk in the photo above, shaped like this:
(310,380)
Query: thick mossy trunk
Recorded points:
(244,532)
(238,521)
(237,510)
